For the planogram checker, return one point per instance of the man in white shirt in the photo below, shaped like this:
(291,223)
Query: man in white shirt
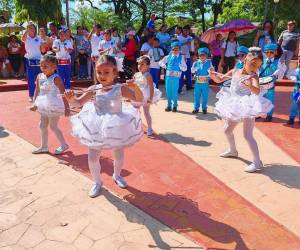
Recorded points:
(62,48)
(107,46)
(185,43)
(95,38)
(33,56)
(155,54)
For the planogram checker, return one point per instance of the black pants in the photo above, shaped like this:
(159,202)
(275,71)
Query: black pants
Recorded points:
(229,63)
(216,61)
(15,61)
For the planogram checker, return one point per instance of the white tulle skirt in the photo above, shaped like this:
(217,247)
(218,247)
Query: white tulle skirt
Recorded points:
(107,131)
(146,93)
(50,106)
(234,107)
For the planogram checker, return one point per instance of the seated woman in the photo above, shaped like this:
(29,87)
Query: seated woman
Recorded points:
(14,51)
(5,67)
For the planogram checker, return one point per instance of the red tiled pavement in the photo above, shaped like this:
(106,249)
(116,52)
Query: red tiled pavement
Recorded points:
(168,185)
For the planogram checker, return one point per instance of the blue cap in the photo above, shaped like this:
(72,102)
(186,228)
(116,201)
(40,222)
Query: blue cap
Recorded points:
(175,44)
(271,46)
(243,49)
(203,51)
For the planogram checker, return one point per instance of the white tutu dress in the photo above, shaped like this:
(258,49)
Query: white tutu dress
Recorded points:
(237,102)
(107,123)
(49,102)
(141,80)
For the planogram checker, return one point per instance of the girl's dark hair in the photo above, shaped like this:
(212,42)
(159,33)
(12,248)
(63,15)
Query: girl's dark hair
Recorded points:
(231,32)
(106,59)
(271,33)
(163,26)
(49,58)
(144,59)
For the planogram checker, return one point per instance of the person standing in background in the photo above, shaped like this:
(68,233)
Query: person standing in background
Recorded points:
(185,47)
(164,39)
(215,48)
(33,56)
(289,42)
(95,38)
(265,36)
(229,52)
(151,23)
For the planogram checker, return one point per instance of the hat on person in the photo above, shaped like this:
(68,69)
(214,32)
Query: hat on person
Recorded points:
(292,22)
(243,49)
(175,44)
(131,33)
(271,46)
(202,51)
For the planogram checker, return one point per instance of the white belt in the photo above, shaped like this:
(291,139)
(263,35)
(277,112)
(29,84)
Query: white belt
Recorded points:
(173,73)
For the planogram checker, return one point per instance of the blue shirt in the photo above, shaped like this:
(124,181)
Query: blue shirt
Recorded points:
(239,65)
(173,62)
(164,38)
(201,68)
(151,24)
(268,67)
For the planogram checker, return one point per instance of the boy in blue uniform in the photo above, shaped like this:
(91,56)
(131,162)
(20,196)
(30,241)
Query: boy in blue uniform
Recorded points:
(242,52)
(201,69)
(174,63)
(295,106)
(271,67)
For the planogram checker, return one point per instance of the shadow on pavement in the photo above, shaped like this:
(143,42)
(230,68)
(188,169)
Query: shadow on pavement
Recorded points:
(184,140)
(285,175)
(181,214)
(80,163)
(3,133)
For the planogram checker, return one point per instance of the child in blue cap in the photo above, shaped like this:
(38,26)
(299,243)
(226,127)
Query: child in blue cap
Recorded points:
(201,70)
(242,52)
(174,63)
(274,68)
(295,106)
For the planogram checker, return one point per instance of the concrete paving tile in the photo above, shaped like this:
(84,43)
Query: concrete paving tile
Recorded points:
(83,243)
(111,242)
(32,237)
(12,235)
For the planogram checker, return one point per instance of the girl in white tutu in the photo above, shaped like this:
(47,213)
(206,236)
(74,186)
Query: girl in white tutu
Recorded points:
(50,103)
(151,94)
(243,101)
(105,122)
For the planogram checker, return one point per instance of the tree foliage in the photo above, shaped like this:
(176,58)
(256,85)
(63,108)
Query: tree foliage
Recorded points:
(40,11)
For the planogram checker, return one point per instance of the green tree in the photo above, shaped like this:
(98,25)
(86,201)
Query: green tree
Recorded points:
(40,11)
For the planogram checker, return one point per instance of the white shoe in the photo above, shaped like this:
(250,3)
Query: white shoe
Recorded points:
(120,181)
(40,151)
(95,190)
(150,132)
(30,99)
(61,149)
(253,167)
(229,153)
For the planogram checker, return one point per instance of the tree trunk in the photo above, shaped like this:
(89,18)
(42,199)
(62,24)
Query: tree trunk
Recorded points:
(163,11)
(67,13)
(266,9)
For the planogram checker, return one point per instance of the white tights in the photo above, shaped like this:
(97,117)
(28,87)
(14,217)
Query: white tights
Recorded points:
(147,115)
(53,123)
(95,167)
(248,125)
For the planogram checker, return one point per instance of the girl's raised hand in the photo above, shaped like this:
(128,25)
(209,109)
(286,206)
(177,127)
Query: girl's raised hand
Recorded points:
(69,95)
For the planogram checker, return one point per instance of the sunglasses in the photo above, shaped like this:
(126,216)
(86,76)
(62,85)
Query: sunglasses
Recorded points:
(270,52)
(175,49)
(202,55)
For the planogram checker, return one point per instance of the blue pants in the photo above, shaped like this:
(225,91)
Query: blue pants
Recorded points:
(295,109)
(187,74)
(32,72)
(201,91)
(155,73)
(83,71)
(172,84)
(64,72)
(72,54)
(270,95)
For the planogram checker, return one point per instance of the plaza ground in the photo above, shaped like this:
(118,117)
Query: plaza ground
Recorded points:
(179,187)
